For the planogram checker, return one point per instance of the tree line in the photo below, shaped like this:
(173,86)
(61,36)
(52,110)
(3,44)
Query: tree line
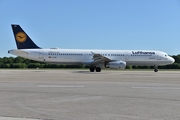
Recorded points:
(19,62)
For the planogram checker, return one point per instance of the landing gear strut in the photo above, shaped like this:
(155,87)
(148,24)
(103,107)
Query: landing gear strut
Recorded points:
(155,69)
(98,69)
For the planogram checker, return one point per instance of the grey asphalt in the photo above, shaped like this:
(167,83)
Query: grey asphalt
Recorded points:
(81,95)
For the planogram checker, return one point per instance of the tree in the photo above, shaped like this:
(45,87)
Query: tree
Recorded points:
(177,58)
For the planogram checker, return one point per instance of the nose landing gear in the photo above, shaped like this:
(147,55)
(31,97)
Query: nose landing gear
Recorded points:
(155,68)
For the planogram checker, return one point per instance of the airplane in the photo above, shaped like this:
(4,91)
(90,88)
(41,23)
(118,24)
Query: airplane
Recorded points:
(96,59)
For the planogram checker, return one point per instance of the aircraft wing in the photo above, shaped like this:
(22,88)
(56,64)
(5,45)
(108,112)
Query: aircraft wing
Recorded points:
(98,58)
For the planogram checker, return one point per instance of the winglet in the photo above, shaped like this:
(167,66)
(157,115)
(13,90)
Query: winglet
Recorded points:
(23,41)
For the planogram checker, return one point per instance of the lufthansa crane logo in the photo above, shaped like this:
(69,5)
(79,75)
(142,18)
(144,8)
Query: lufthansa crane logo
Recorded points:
(21,37)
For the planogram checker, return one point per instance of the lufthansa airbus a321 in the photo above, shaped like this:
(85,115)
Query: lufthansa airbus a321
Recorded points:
(96,59)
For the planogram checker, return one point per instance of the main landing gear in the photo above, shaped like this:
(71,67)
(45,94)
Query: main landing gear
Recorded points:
(98,69)
(155,69)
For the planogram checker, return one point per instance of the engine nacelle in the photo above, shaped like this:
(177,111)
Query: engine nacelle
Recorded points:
(116,65)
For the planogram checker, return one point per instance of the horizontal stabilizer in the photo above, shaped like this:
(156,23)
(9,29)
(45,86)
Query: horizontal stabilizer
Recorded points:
(18,52)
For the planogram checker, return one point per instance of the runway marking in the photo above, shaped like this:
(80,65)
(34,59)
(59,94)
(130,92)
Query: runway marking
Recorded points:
(124,116)
(60,86)
(157,88)
(12,118)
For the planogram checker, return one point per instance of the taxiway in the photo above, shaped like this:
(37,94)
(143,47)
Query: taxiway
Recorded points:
(81,95)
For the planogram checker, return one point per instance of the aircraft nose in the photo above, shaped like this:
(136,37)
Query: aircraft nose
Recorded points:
(171,59)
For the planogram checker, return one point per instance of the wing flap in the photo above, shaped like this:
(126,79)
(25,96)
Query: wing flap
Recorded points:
(98,58)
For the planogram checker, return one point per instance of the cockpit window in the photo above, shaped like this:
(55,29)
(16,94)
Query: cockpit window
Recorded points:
(166,55)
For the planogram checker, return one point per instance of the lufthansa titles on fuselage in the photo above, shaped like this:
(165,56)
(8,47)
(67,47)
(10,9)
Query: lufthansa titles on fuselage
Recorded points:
(142,52)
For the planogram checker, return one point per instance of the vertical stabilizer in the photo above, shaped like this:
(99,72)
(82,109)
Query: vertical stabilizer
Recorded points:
(23,41)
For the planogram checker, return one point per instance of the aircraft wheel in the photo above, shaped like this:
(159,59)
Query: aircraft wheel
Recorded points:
(155,70)
(91,69)
(98,69)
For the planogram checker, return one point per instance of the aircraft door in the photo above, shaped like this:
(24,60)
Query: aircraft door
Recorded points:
(41,55)
(126,56)
(86,56)
(158,57)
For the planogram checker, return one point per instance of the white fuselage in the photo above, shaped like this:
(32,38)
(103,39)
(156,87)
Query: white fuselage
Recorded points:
(81,56)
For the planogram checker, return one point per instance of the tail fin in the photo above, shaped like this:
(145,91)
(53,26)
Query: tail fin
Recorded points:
(23,41)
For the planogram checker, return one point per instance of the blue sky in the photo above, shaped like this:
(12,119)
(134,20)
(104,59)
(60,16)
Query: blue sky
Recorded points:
(93,24)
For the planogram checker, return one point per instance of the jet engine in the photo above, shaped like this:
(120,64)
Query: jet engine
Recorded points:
(116,64)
